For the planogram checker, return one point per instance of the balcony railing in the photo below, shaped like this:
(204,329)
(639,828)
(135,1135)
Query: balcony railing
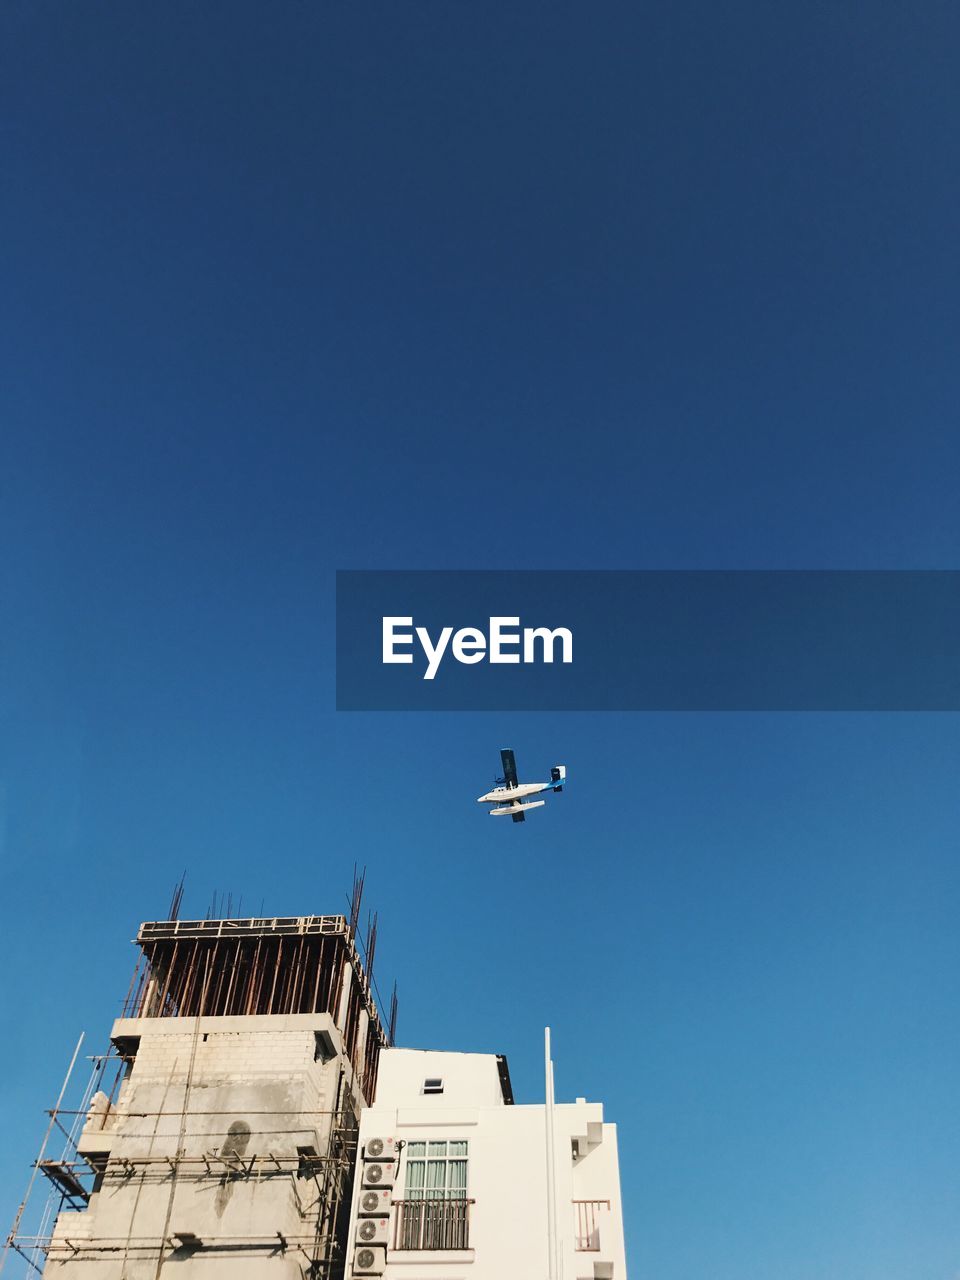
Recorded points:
(432,1224)
(587,1228)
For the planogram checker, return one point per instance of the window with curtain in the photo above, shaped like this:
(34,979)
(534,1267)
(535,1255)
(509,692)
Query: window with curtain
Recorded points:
(436,1170)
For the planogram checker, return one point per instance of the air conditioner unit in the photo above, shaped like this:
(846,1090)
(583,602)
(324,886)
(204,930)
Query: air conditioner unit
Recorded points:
(373,1202)
(380,1149)
(369,1260)
(372,1230)
(376,1174)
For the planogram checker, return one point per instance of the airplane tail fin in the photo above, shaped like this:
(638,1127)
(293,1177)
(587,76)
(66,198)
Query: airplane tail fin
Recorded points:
(557,776)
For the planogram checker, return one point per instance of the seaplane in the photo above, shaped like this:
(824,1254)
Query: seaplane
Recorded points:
(509,795)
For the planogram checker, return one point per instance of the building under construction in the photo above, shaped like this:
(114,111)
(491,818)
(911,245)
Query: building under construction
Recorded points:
(220,1133)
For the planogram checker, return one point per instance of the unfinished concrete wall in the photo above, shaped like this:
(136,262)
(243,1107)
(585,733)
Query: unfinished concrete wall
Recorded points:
(216,1156)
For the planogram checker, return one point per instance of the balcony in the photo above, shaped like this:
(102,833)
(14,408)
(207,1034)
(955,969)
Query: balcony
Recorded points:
(432,1224)
(587,1224)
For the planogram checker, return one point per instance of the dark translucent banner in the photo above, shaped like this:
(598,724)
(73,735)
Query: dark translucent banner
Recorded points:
(648,641)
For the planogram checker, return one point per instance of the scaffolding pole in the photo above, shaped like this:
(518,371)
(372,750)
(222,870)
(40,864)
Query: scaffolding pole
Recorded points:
(15,1229)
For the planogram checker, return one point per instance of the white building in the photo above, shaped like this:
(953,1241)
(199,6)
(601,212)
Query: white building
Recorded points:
(452,1178)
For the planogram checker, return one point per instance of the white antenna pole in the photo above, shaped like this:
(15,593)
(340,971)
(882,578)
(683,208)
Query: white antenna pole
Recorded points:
(551,1163)
(558,1236)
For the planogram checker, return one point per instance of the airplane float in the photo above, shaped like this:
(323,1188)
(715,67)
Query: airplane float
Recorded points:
(509,794)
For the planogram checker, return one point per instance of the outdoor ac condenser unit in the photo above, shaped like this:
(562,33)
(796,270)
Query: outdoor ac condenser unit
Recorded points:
(376,1174)
(372,1230)
(380,1149)
(369,1260)
(373,1202)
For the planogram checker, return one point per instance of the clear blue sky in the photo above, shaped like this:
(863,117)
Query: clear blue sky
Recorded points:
(293,288)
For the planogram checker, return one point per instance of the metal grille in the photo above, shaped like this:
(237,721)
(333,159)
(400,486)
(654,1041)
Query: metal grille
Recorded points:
(432,1224)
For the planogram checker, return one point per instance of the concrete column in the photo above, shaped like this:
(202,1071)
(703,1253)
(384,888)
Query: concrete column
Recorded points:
(346,987)
(361,1040)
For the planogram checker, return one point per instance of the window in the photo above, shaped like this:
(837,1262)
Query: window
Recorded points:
(435,1213)
(433,1084)
(436,1170)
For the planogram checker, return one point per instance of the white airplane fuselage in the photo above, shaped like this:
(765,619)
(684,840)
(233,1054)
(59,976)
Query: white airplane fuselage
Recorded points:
(506,795)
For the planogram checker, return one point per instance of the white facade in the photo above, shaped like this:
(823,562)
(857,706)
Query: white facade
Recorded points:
(467,1177)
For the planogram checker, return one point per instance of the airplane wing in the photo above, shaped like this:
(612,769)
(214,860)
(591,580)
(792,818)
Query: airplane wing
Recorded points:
(509,767)
(518,816)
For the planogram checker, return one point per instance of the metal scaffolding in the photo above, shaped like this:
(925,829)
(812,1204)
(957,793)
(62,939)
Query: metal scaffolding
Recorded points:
(273,965)
(320,1183)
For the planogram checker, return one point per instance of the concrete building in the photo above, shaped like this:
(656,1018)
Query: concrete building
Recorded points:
(250,1123)
(247,1051)
(452,1178)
